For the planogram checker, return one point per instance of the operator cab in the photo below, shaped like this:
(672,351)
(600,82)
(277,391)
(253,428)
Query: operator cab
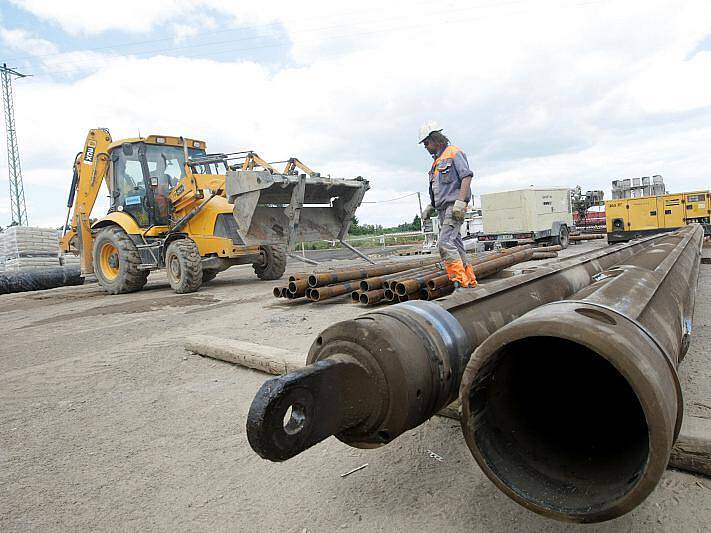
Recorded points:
(142,173)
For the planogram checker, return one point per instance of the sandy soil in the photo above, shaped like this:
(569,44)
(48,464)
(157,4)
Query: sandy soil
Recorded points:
(106,423)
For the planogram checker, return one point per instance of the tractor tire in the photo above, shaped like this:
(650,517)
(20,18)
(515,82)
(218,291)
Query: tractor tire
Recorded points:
(209,275)
(273,263)
(116,261)
(563,237)
(184,266)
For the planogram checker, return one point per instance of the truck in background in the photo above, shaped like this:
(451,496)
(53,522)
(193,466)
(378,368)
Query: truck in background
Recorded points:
(538,215)
(630,218)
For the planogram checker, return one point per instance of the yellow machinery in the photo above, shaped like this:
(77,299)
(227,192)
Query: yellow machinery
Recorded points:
(629,218)
(174,206)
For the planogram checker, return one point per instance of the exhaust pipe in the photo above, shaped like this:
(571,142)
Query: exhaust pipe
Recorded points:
(573,408)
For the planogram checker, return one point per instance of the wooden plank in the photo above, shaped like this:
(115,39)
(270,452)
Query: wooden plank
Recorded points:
(692,450)
(261,357)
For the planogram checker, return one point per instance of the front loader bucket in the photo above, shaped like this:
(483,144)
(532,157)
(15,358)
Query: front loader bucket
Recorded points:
(283,209)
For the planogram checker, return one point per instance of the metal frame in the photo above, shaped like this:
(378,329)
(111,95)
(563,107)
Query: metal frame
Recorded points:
(18,206)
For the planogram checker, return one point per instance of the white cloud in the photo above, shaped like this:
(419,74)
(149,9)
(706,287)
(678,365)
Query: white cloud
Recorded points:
(559,93)
(21,40)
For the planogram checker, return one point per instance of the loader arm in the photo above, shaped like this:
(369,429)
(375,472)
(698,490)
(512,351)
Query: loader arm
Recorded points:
(294,163)
(91,167)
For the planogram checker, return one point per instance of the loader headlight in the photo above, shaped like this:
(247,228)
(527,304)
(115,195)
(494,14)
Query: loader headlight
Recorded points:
(160,140)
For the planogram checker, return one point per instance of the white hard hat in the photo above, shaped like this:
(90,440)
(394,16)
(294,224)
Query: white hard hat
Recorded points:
(426,129)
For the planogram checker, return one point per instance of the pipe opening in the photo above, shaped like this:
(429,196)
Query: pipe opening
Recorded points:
(559,425)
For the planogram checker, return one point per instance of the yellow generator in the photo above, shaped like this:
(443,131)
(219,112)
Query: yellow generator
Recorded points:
(630,218)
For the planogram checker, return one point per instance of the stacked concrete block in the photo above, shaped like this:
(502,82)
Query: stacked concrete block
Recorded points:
(29,248)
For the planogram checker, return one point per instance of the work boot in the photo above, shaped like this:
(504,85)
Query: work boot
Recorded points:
(471,277)
(456,273)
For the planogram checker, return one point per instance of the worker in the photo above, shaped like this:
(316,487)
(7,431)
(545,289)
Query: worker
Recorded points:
(450,191)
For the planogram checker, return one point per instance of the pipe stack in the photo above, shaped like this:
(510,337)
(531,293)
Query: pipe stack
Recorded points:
(423,279)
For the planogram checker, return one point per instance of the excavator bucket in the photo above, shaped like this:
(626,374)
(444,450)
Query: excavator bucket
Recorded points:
(273,208)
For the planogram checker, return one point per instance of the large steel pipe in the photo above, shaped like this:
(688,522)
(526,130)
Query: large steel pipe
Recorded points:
(572,409)
(414,355)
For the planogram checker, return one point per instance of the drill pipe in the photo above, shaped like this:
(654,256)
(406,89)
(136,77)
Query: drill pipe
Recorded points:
(378,282)
(298,287)
(318,294)
(429,294)
(573,408)
(389,295)
(444,281)
(319,279)
(543,255)
(553,248)
(406,359)
(587,236)
(486,267)
(355,296)
(298,275)
(407,297)
(278,292)
(372,297)
(406,286)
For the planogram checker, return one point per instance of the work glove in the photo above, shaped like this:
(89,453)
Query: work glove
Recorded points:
(460,207)
(428,212)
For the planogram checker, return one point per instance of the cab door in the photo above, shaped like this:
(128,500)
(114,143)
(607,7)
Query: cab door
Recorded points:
(130,193)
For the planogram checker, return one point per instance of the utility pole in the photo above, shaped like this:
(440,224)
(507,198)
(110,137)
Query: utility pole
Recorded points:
(17,189)
(422,222)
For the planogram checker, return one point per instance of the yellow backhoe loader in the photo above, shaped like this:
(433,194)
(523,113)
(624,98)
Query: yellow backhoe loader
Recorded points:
(174,206)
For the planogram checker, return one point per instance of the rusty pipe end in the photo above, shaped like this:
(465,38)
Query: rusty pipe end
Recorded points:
(367,380)
(572,410)
(355,297)
(277,292)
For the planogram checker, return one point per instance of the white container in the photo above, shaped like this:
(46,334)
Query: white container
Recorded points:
(525,210)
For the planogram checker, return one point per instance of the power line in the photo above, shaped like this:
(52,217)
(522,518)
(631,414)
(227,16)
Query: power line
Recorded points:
(89,62)
(18,207)
(391,199)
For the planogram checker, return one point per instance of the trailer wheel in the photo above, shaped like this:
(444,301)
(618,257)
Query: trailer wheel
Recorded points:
(116,261)
(563,237)
(184,266)
(272,264)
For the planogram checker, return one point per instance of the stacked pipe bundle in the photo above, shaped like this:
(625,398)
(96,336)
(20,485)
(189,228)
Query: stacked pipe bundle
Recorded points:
(424,279)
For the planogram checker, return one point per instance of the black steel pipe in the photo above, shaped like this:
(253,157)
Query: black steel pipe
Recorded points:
(415,353)
(573,408)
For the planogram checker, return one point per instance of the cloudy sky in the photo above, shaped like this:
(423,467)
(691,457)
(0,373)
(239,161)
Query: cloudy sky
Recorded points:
(539,92)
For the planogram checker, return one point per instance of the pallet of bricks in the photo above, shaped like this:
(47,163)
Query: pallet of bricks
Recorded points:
(24,248)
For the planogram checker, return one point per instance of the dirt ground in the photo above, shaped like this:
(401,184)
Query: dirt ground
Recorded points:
(107,423)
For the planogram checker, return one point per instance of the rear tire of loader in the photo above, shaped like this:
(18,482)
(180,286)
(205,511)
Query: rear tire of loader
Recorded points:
(273,264)
(116,261)
(184,266)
